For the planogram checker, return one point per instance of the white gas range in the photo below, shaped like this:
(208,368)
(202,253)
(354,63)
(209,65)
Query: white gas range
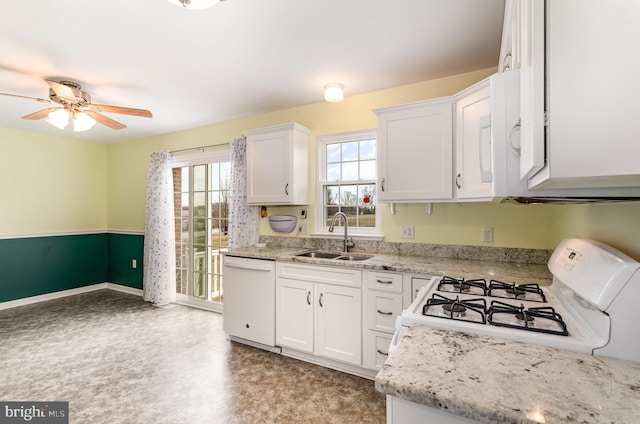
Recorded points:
(588,308)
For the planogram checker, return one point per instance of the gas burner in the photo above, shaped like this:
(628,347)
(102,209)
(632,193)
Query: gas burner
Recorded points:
(471,310)
(543,320)
(530,292)
(453,285)
(454,309)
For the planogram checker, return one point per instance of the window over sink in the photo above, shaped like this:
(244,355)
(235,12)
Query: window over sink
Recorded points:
(347,182)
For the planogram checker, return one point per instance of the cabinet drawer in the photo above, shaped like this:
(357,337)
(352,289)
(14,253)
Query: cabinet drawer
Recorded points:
(387,281)
(383,309)
(376,349)
(320,274)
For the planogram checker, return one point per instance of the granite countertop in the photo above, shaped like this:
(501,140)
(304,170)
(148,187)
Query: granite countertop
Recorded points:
(493,380)
(414,262)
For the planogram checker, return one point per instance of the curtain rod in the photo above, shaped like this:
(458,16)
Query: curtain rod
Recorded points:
(199,148)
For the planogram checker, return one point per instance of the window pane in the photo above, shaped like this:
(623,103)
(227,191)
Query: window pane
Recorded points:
(333,152)
(367,149)
(351,215)
(332,195)
(333,171)
(215,176)
(225,175)
(329,211)
(366,194)
(350,151)
(349,171)
(199,177)
(184,171)
(368,170)
(199,204)
(349,195)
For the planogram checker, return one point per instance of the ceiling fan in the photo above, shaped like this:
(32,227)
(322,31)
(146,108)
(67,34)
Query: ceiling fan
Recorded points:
(77,104)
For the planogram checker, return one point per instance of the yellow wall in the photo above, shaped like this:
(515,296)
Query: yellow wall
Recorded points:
(51,184)
(128,162)
(57,184)
(533,226)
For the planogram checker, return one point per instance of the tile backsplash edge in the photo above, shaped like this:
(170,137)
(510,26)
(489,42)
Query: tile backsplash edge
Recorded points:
(484,253)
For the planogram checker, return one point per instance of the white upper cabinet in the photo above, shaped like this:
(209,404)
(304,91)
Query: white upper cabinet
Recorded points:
(415,152)
(511,48)
(580,78)
(278,165)
(474,176)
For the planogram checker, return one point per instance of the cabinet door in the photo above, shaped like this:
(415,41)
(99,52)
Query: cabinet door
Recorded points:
(415,151)
(269,168)
(474,177)
(591,81)
(338,320)
(294,314)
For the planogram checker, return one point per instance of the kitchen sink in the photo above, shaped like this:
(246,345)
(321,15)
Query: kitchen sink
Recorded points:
(336,256)
(354,257)
(319,255)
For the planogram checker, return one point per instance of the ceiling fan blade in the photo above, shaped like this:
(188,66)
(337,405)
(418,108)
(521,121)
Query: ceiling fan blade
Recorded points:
(123,110)
(27,97)
(40,114)
(114,125)
(62,91)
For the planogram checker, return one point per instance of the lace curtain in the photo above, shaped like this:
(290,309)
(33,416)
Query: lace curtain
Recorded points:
(159,276)
(244,221)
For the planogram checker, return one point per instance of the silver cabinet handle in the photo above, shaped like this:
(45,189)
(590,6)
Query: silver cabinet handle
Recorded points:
(309,298)
(286,189)
(458,180)
(320,301)
(382,184)
(384,313)
(384,281)
(383,353)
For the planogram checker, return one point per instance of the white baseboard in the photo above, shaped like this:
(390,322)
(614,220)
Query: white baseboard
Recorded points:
(65,293)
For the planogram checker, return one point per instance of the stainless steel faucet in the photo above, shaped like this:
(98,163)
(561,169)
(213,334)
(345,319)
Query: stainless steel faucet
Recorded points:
(346,243)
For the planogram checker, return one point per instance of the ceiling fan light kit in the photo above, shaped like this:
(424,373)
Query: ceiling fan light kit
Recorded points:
(194,4)
(77,104)
(82,122)
(59,118)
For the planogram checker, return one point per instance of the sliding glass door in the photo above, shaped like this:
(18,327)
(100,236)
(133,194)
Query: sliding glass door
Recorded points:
(201,189)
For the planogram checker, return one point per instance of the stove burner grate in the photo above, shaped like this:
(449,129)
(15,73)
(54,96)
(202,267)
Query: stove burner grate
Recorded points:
(470,310)
(455,285)
(525,318)
(513,291)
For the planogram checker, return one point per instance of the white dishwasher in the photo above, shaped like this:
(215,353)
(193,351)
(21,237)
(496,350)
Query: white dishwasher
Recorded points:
(249,307)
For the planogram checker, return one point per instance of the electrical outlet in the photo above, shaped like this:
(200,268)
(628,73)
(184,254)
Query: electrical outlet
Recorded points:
(487,234)
(134,263)
(407,232)
(302,228)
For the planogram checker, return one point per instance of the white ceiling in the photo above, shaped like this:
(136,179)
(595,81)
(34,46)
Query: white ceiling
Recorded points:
(239,58)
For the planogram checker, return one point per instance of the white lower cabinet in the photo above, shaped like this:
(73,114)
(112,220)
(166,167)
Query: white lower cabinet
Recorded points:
(383,300)
(319,311)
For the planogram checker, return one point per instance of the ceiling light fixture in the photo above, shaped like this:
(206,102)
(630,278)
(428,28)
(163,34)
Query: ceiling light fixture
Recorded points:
(82,122)
(334,92)
(59,118)
(194,4)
